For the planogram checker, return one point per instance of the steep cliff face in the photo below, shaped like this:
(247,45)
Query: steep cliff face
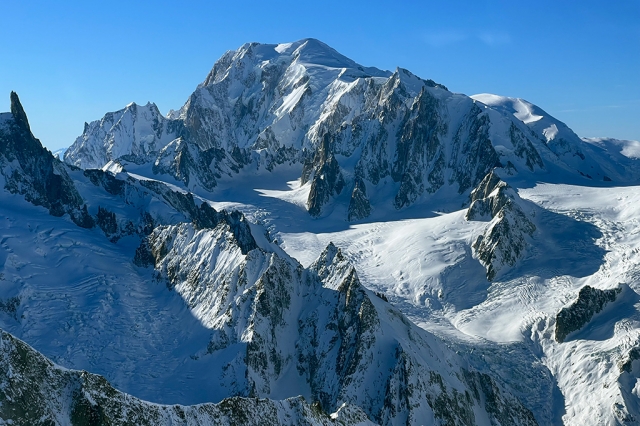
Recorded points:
(504,240)
(135,133)
(29,169)
(541,139)
(235,311)
(359,205)
(325,176)
(590,301)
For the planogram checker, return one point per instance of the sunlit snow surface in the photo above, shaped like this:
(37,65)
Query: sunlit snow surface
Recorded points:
(421,259)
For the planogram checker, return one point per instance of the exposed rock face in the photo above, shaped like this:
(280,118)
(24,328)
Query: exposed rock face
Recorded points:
(503,241)
(485,203)
(626,365)
(326,178)
(35,391)
(359,206)
(29,169)
(272,321)
(135,133)
(590,301)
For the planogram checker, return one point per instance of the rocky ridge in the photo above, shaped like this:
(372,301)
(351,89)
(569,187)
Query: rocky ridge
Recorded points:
(505,238)
(320,327)
(29,169)
(590,301)
(35,391)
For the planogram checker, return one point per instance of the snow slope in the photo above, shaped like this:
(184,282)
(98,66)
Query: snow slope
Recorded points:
(358,132)
(35,391)
(424,264)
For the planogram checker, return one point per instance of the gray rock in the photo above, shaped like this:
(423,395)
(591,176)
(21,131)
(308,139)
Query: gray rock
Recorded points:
(262,107)
(504,240)
(30,169)
(326,177)
(359,206)
(590,301)
(34,391)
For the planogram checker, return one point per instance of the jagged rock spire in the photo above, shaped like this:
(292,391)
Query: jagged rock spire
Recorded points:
(18,112)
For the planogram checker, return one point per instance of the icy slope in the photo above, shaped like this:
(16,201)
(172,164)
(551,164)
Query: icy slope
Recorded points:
(596,159)
(424,263)
(135,132)
(318,331)
(279,134)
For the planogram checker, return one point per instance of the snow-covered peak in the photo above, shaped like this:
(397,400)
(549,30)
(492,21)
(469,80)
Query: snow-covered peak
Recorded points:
(532,115)
(521,109)
(411,82)
(314,52)
(627,148)
(135,130)
(308,52)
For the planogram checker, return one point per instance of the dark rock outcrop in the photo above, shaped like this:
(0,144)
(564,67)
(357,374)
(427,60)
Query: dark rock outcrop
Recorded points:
(359,206)
(626,364)
(326,177)
(504,241)
(35,391)
(32,171)
(590,301)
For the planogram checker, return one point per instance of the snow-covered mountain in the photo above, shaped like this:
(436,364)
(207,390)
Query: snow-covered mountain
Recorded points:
(174,301)
(365,137)
(257,234)
(36,391)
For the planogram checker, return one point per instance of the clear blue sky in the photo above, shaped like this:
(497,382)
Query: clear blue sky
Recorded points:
(73,61)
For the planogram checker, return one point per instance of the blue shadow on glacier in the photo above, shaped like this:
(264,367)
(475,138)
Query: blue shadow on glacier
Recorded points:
(561,245)
(602,326)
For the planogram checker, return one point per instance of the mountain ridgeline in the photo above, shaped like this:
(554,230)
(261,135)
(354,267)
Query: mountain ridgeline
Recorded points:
(355,131)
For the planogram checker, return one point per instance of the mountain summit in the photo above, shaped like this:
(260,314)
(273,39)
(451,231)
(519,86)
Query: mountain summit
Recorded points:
(175,301)
(356,132)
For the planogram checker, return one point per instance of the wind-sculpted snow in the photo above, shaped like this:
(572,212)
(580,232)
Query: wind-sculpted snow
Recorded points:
(535,129)
(223,313)
(479,219)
